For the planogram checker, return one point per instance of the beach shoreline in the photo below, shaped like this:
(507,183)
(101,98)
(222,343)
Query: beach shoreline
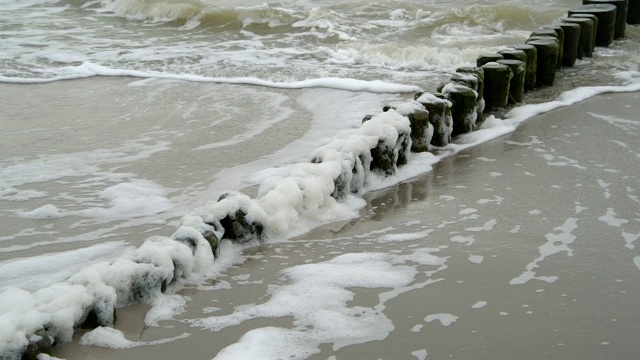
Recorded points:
(478,210)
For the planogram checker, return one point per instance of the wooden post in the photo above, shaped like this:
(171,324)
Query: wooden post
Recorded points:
(633,12)
(552,34)
(516,86)
(513,54)
(463,108)
(532,65)
(571,42)
(621,14)
(547,59)
(497,78)
(560,35)
(586,34)
(487,58)
(439,116)
(596,22)
(606,14)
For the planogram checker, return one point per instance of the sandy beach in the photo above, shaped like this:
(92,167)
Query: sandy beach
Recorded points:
(518,248)
(243,179)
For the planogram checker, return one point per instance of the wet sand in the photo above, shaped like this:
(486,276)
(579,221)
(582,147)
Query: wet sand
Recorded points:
(537,229)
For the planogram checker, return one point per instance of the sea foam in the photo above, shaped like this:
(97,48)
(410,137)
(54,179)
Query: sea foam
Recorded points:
(288,206)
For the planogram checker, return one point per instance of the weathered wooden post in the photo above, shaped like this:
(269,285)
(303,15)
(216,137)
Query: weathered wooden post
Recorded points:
(463,107)
(560,32)
(595,27)
(571,42)
(516,86)
(497,78)
(547,59)
(557,34)
(473,82)
(513,54)
(478,73)
(440,117)
(421,128)
(606,14)
(633,12)
(487,58)
(586,34)
(532,65)
(621,14)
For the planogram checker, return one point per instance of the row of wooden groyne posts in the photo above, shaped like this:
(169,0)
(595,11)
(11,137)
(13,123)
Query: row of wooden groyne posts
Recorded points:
(456,108)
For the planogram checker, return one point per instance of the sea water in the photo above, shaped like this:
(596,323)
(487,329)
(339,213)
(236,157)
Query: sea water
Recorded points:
(120,117)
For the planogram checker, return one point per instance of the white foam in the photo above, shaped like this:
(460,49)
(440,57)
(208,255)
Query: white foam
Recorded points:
(496,199)
(562,161)
(291,205)
(555,244)
(419,354)
(467,211)
(88,69)
(317,297)
(165,307)
(13,194)
(476,259)
(115,339)
(610,219)
(43,212)
(479,305)
(605,186)
(43,356)
(444,318)
(630,239)
(488,226)
(636,261)
(567,98)
(133,277)
(580,209)
(36,272)
(404,237)
(467,240)
(125,200)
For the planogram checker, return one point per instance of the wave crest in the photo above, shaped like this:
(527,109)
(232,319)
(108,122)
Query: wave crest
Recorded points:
(154,10)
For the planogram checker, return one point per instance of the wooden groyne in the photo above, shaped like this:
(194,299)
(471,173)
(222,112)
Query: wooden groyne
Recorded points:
(459,105)
(383,143)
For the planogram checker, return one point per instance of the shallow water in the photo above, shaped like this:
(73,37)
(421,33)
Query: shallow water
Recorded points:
(186,100)
(521,247)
